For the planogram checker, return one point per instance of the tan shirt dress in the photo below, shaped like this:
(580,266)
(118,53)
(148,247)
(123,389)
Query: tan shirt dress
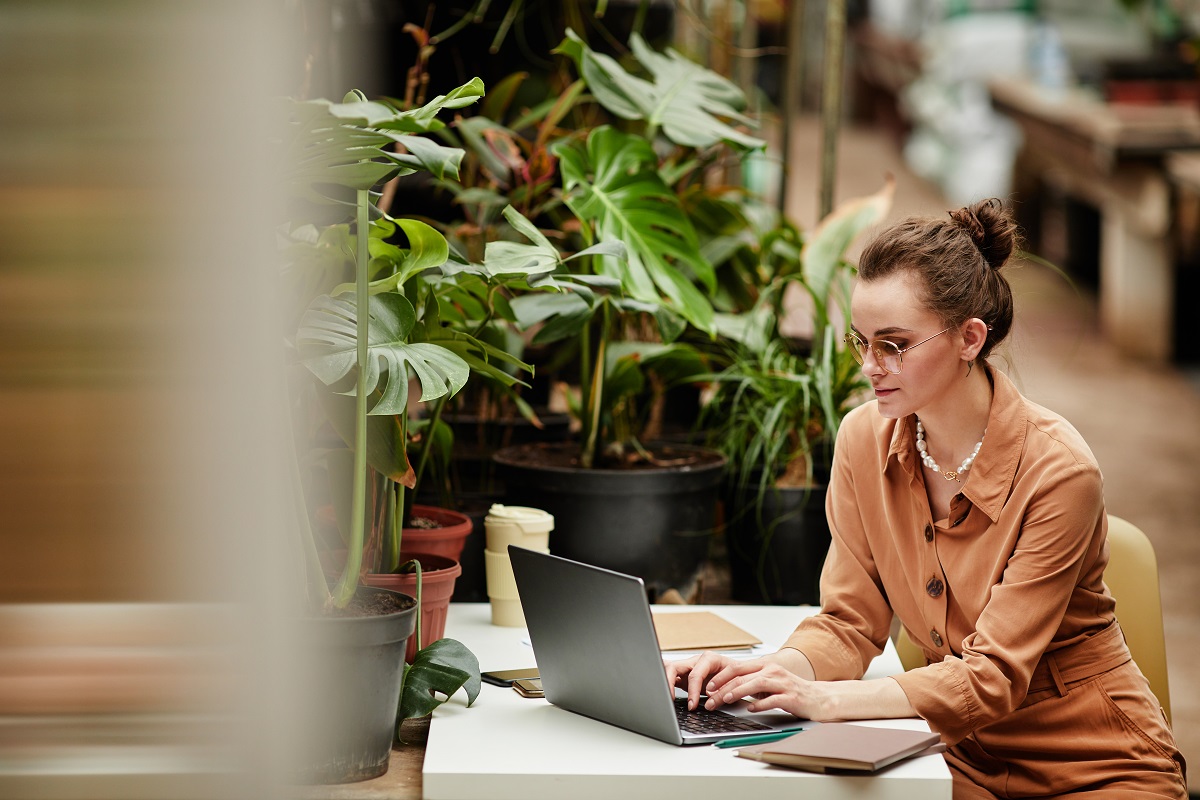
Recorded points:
(1028,680)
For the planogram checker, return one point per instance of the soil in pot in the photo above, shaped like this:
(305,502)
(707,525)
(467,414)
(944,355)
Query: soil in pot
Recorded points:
(437,531)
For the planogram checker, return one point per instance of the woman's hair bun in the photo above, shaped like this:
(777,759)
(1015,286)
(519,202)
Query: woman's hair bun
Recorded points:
(991,228)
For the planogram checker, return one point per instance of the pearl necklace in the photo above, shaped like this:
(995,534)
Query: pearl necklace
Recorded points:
(928,461)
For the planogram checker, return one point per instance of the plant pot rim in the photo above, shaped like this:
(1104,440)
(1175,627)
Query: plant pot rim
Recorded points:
(709,459)
(544,414)
(362,587)
(430,562)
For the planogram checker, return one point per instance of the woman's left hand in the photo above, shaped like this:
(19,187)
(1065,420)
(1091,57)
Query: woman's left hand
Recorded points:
(767,685)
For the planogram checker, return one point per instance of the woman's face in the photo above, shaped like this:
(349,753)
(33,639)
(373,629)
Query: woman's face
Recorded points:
(888,308)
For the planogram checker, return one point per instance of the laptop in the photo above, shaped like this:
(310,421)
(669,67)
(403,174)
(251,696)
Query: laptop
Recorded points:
(597,653)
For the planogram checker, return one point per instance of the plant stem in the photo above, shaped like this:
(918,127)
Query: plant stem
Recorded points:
(506,23)
(420,644)
(394,529)
(831,99)
(585,384)
(349,579)
(595,394)
(793,96)
(401,515)
(315,580)
(474,15)
(427,442)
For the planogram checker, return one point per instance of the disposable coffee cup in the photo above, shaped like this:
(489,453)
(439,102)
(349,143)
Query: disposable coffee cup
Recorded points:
(500,579)
(520,525)
(507,613)
(502,590)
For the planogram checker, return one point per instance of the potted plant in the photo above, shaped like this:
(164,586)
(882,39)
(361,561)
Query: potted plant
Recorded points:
(442,305)
(331,148)
(775,408)
(625,502)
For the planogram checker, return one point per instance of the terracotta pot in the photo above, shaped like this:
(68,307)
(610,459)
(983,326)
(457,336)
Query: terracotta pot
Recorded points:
(438,574)
(448,540)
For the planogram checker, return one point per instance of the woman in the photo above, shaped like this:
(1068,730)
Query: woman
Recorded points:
(977,518)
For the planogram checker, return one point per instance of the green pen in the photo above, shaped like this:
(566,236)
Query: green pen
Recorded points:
(744,741)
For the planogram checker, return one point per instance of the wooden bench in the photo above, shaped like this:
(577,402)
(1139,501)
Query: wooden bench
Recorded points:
(1111,157)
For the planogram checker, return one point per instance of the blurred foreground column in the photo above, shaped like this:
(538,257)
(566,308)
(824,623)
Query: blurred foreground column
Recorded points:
(140,503)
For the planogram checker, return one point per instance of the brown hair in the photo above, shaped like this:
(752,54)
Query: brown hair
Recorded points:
(958,262)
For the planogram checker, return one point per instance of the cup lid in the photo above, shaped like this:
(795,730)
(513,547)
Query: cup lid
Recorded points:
(516,513)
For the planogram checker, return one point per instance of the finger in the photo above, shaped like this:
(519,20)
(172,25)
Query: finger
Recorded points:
(697,679)
(731,672)
(725,686)
(768,702)
(673,674)
(750,686)
(677,670)
(706,665)
(765,691)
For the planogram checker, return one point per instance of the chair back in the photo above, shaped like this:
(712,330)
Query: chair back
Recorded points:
(1132,578)
(911,655)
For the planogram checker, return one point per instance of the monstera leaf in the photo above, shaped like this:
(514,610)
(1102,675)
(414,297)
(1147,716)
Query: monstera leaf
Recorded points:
(439,670)
(612,184)
(349,144)
(685,100)
(327,343)
(539,256)
(427,249)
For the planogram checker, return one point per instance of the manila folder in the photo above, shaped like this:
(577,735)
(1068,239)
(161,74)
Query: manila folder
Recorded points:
(700,630)
(840,745)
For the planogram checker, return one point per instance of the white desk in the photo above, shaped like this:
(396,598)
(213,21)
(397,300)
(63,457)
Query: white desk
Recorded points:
(507,747)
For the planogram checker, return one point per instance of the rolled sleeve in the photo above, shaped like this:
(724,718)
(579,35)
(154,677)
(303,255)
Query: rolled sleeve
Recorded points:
(855,617)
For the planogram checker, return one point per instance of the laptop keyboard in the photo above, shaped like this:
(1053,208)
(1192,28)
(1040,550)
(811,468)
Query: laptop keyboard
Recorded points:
(702,721)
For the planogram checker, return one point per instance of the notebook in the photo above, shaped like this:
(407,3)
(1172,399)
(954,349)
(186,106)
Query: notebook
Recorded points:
(594,642)
(842,746)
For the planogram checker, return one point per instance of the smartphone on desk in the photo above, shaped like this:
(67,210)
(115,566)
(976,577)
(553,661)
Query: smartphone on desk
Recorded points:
(529,687)
(506,677)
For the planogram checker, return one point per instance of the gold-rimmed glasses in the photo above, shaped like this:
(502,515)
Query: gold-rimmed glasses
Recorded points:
(887,354)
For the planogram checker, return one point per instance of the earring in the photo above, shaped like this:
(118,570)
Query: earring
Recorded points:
(970,366)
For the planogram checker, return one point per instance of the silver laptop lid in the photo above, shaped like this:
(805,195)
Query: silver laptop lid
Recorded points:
(596,649)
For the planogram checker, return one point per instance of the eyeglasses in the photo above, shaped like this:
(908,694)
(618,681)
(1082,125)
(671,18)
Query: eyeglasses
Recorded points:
(887,354)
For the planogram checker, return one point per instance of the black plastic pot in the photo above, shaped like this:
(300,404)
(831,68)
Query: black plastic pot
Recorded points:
(776,552)
(349,691)
(655,523)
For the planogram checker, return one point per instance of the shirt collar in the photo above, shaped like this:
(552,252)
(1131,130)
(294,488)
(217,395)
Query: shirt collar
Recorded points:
(991,476)
(990,480)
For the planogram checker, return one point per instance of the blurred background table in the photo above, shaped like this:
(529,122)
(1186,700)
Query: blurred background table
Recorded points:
(1111,157)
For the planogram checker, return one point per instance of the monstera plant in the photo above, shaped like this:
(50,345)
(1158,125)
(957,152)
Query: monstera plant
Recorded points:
(627,185)
(654,129)
(383,307)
